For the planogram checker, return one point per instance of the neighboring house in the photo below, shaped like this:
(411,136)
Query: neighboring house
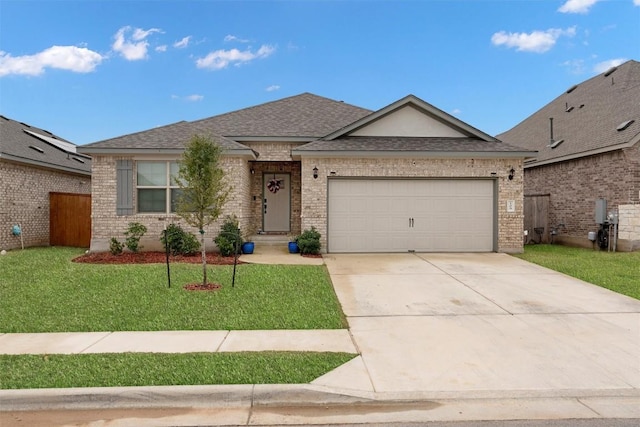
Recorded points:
(33,164)
(592,151)
(408,177)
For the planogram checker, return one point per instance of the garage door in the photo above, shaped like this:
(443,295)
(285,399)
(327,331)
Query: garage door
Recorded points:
(422,215)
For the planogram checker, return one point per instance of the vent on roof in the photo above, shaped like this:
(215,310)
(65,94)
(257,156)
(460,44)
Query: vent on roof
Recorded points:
(22,123)
(38,149)
(568,110)
(77,159)
(554,144)
(572,88)
(622,126)
(610,71)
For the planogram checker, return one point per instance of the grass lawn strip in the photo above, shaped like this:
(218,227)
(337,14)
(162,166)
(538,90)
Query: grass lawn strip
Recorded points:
(617,271)
(155,369)
(42,290)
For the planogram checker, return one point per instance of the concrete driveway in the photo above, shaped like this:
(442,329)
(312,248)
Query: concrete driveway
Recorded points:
(482,325)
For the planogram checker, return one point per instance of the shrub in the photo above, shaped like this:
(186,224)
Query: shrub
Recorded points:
(115,247)
(134,233)
(309,242)
(229,236)
(180,242)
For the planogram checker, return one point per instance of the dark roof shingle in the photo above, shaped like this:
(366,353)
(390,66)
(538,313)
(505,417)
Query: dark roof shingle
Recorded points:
(585,117)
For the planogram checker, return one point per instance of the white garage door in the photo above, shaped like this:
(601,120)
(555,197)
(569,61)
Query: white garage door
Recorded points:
(422,215)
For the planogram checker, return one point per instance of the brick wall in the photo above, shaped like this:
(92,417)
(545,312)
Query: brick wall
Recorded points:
(574,186)
(510,224)
(24,199)
(106,224)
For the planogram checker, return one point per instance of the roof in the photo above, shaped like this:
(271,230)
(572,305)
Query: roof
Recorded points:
(585,118)
(27,144)
(306,115)
(303,117)
(166,139)
(429,146)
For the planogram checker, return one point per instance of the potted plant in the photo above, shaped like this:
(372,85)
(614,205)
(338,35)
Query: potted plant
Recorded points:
(293,245)
(248,246)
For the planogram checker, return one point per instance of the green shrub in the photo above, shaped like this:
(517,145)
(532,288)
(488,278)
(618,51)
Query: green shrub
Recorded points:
(115,247)
(309,242)
(134,233)
(229,236)
(180,242)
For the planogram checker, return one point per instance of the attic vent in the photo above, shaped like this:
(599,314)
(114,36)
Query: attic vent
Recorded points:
(568,110)
(581,105)
(77,159)
(622,126)
(610,71)
(556,143)
(572,88)
(38,149)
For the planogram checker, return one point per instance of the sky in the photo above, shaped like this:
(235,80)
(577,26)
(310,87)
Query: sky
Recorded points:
(92,70)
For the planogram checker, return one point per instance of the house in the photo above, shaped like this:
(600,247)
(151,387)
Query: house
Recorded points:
(408,177)
(36,165)
(588,143)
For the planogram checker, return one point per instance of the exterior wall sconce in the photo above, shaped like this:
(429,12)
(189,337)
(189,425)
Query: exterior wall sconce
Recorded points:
(315,172)
(512,172)
(253,171)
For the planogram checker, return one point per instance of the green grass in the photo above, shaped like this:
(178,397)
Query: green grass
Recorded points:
(149,369)
(42,290)
(617,271)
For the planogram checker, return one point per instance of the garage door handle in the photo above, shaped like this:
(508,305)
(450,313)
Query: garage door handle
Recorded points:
(410,222)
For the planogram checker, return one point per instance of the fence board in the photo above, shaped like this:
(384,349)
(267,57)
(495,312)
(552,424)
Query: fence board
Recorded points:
(70,219)
(536,215)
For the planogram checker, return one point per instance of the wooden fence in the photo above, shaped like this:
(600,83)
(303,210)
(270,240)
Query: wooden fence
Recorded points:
(70,219)
(536,215)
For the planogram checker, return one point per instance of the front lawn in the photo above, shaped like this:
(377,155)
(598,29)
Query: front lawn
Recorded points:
(42,290)
(617,271)
(149,369)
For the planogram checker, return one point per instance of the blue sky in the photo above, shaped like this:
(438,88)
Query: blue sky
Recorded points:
(91,70)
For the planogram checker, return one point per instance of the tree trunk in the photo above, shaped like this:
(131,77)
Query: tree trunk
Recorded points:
(204,261)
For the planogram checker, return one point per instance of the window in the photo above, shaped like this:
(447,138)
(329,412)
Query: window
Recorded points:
(157,187)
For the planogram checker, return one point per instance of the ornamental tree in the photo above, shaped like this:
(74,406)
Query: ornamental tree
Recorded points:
(203,190)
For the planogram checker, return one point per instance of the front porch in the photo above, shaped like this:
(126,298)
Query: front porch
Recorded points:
(275,199)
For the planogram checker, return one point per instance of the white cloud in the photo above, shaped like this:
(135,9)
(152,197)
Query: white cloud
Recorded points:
(230,38)
(71,58)
(220,59)
(636,2)
(194,98)
(136,47)
(272,88)
(536,41)
(578,6)
(456,111)
(182,43)
(603,66)
(575,66)
(161,48)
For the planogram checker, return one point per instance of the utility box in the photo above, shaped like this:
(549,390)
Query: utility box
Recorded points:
(601,211)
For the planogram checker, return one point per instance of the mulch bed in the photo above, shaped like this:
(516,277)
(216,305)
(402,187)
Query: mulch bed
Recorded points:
(151,258)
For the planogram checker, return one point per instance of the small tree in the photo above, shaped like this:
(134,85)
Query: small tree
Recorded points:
(203,190)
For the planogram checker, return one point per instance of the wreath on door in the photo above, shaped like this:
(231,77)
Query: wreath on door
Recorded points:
(274,185)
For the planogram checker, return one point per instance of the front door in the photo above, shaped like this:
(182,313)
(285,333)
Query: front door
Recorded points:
(276,205)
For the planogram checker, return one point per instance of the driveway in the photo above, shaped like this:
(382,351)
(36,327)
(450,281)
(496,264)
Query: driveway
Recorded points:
(482,325)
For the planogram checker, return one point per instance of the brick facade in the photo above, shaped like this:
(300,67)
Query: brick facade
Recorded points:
(24,200)
(510,224)
(574,186)
(106,224)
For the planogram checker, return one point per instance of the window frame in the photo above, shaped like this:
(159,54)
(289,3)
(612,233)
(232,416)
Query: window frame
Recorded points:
(169,186)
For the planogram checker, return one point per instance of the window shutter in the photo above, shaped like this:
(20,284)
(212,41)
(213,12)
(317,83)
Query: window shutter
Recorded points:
(124,187)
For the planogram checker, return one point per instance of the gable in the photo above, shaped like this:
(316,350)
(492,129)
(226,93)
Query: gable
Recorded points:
(408,121)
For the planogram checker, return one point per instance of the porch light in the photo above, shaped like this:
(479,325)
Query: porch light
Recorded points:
(315,172)
(512,172)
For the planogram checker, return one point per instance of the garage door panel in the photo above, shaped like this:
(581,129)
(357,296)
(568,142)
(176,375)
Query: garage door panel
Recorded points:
(374,215)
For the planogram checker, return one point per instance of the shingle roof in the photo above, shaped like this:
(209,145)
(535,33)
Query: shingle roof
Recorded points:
(170,137)
(426,145)
(585,117)
(304,115)
(49,150)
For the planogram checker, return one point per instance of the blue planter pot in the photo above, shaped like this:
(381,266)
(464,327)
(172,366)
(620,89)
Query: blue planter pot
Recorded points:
(293,248)
(247,248)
